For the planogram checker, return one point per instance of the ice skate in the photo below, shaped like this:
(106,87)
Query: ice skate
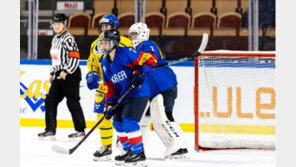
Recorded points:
(76,136)
(47,136)
(137,160)
(119,159)
(103,154)
(180,154)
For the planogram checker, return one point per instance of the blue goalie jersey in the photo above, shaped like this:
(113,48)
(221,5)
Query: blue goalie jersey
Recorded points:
(159,79)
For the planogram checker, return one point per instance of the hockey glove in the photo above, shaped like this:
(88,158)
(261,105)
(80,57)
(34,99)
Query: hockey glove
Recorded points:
(92,80)
(138,78)
(110,112)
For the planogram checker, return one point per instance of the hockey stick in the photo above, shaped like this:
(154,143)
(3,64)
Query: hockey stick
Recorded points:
(200,50)
(62,150)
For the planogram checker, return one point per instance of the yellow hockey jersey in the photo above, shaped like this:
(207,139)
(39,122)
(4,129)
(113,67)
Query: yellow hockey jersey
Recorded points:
(95,55)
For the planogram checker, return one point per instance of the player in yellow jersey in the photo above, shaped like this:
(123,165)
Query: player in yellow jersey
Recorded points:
(94,79)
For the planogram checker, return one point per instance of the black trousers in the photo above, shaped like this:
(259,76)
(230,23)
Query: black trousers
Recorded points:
(59,89)
(133,107)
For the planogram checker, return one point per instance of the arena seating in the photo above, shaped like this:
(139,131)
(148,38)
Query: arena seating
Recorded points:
(230,20)
(198,31)
(270,32)
(155,20)
(126,19)
(176,21)
(80,20)
(225,31)
(204,19)
(96,19)
(76,30)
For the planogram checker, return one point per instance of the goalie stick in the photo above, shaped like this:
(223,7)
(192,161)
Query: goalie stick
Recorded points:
(62,150)
(200,50)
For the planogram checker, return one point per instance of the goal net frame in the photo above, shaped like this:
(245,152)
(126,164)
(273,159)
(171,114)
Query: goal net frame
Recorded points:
(223,54)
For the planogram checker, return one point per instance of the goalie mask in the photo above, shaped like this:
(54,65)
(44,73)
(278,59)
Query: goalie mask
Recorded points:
(113,37)
(142,32)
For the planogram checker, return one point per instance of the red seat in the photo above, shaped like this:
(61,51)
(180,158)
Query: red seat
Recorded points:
(80,20)
(204,19)
(155,19)
(230,20)
(180,19)
(126,19)
(96,19)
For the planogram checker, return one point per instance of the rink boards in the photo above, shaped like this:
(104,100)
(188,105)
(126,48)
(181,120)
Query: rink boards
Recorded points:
(34,85)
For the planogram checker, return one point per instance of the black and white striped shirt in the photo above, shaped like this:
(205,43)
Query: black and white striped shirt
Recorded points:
(64,53)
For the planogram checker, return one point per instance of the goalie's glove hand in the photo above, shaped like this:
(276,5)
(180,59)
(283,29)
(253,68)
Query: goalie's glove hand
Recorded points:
(109,111)
(92,80)
(137,78)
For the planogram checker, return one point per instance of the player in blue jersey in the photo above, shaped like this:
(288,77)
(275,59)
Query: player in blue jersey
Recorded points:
(94,79)
(163,88)
(122,67)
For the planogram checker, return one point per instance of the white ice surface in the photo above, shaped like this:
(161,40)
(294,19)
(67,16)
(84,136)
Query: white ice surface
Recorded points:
(35,153)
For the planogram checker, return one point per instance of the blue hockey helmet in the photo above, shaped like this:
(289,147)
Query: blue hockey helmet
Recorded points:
(110,19)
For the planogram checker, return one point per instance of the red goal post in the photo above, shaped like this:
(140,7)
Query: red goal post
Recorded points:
(234,100)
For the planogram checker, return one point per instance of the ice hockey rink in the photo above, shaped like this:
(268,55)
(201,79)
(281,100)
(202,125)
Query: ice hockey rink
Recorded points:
(36,153)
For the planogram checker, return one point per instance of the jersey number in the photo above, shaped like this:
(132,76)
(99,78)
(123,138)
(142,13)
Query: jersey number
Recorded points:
(131,49)
(152,49)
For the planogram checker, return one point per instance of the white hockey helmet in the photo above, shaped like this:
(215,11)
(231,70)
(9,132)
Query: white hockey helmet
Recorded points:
(142,30)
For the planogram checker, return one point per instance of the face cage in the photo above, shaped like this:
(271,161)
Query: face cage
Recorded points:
(105,51)
(136,41)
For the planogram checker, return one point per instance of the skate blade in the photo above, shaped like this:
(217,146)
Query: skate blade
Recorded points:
(178,157)
(104,158)
(119,163)
(136,164)
(48,138)
(75,139)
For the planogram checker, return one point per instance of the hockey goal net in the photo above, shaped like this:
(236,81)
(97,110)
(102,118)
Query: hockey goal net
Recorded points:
(234,100)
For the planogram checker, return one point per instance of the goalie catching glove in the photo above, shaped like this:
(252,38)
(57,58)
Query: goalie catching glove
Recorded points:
(92,80)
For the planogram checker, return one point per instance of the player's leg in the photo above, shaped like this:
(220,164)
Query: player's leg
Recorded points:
(122,136)
(169,132)
(169,97)
(132,113)
(71,90)
(105,129)
(53,98)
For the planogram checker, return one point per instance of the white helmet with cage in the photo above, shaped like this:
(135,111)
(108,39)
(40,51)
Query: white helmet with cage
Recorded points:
(142,30)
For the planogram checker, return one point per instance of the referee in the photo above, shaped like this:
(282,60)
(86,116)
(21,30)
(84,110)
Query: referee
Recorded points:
(65,77)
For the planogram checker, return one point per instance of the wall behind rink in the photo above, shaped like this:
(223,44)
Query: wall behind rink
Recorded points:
(34,85)
(242,95)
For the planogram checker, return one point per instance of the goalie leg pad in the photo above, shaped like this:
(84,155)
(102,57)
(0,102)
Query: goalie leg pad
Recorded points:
(170,133)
